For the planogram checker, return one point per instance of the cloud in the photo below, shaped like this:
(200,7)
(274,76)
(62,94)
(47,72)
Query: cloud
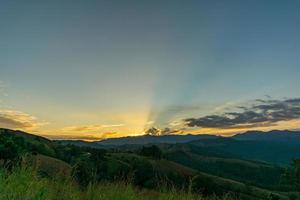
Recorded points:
(16,119)
(89,128)
(262,113)
(86,128)
(109,134)
(72,137)
(153,131)
(149,123)
(85,132)
(166,131)
(169,131)
(175,123)
(112,125)
(86,137)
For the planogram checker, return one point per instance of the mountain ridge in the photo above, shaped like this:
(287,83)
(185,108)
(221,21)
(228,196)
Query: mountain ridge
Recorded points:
(273,135)
(287,136)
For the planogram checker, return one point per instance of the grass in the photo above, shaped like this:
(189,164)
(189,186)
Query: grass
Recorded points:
(24,183)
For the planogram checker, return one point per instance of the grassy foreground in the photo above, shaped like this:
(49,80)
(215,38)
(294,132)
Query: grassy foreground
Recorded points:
(25,184)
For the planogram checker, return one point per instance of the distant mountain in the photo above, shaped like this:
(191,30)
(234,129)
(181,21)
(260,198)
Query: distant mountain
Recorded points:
(149,139)
(285,136)
(292,137)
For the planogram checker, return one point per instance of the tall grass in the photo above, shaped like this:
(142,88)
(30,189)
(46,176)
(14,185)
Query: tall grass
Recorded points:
(25,184)
(22,184)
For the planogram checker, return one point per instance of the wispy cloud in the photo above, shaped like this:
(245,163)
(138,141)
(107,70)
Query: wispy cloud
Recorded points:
(72,137)
(89,128)
(175,123)
(109,134)
(149,123)
(86,128)
(112,125)
(261,113)
(18,120)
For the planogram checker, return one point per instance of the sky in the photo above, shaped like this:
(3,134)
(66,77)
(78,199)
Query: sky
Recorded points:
(98,69)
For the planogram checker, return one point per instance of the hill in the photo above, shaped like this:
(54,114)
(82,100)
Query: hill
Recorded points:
(222,164)
(27,136)
(207,165)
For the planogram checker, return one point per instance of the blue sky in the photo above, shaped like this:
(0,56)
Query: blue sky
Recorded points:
(134,64)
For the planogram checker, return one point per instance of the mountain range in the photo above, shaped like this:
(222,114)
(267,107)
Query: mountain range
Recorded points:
(285,136)
(277,147)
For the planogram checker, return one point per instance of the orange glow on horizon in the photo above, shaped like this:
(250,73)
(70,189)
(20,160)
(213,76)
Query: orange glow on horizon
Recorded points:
(99,133)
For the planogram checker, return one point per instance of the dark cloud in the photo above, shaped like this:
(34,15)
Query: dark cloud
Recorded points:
(153,131)
(262,113)
(166,131)
(169,131)
(297,101)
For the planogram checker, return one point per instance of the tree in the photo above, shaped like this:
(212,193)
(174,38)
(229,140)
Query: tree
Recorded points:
(84,171)
(206,186)
(11,150)
(292,174)
(152,151)
(273,197)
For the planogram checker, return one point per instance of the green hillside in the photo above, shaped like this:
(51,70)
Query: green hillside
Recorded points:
(251,172)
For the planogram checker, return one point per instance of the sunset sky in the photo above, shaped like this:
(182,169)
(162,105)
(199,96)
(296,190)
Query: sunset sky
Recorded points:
(97,69)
